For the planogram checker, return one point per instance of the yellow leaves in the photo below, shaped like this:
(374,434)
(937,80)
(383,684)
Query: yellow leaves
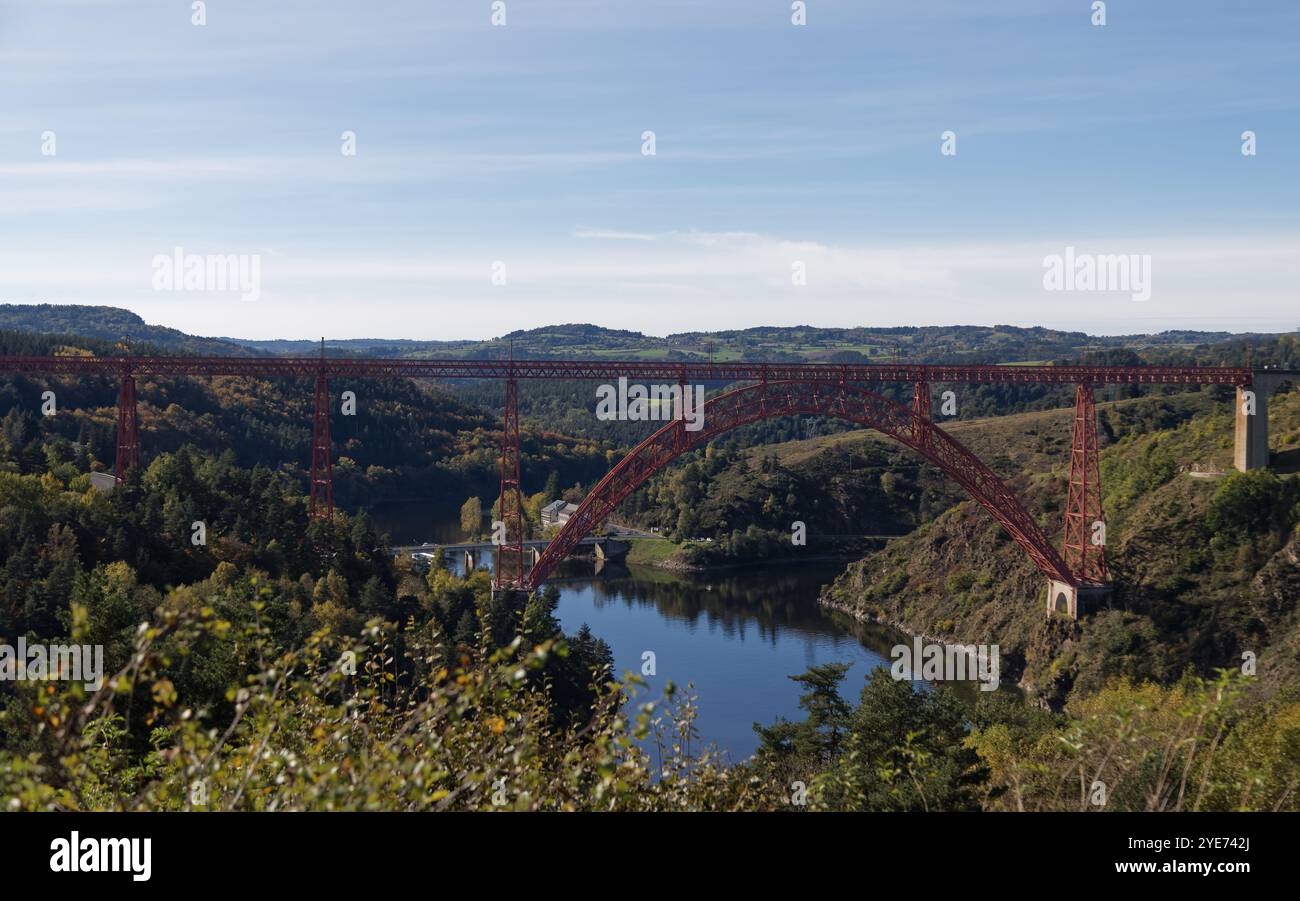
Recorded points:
(164,692)
(80,619)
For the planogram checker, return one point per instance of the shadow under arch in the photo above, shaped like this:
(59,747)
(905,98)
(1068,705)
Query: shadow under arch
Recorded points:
(766,400)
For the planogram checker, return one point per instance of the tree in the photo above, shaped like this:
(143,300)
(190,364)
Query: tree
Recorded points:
(471,517)
(888,481)
(816,741)
(1250,503)
(908,751)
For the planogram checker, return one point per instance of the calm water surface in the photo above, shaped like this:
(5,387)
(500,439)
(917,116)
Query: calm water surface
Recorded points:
(737,636)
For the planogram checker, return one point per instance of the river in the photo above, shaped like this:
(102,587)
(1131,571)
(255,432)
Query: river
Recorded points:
(736,636)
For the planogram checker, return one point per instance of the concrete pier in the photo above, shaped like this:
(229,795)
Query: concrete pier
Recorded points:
(1073,601)
(1250,444)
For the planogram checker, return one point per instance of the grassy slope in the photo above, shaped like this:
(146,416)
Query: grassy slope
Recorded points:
(651,551)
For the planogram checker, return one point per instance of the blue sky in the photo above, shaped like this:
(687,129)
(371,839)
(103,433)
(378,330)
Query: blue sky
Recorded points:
(775,144)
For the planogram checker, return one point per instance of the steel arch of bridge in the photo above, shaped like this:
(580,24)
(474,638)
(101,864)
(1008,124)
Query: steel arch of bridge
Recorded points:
(788,398)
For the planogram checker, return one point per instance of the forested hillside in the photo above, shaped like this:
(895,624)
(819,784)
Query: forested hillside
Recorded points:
(946,344)
(292,668)
(287,665)
(407,439)
(933,344)
(110,324)
(1205,568)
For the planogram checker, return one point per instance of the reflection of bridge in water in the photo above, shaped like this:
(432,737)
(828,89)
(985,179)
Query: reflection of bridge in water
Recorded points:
(768,390)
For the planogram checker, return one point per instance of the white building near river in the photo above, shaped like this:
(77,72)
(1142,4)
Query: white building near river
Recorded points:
(557,513)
